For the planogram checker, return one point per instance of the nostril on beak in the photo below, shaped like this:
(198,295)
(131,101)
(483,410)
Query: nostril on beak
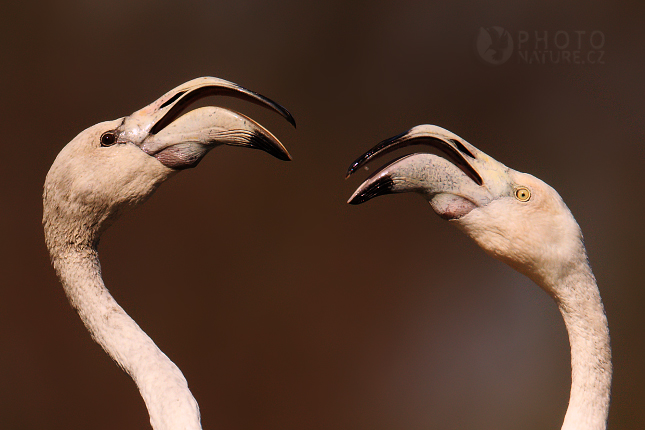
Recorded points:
(462,148)
(172,99)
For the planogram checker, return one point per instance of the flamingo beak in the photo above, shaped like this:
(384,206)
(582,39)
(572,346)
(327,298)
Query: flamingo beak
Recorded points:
(180,142)
(453,186)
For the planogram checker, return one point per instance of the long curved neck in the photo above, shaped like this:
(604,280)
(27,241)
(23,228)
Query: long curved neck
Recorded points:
(579,301)
(162,385)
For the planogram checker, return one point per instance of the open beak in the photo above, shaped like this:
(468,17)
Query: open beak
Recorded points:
(453,186)
(180,142)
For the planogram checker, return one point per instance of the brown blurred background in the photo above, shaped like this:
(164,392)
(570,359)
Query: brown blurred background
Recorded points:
(285,307)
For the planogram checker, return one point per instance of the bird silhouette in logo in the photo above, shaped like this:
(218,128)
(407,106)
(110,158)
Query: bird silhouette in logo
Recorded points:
(498,42)
(494,44)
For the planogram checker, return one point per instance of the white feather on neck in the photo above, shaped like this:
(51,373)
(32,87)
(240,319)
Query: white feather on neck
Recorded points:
(543,241)
(83,194)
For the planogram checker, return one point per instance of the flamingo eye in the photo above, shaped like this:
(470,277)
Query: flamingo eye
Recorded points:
(523,194)
(108,139)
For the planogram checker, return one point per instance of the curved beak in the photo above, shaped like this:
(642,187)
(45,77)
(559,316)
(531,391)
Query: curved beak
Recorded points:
(467,179)
(181,142)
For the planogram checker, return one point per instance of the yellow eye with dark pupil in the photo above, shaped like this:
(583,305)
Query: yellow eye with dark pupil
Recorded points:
(523,194)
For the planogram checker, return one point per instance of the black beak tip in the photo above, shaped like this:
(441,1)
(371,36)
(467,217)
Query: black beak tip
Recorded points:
(278,153)
(290,118)
(381,148)
(284,156)
(266,144)
(381,186)
(275,106)
(352,169)
(356,200)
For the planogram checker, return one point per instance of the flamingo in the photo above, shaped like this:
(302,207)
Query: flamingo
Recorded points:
(115,166)
(520,220)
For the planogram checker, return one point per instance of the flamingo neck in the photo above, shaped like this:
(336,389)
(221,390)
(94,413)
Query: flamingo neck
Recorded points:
(579,301)
(164,389)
